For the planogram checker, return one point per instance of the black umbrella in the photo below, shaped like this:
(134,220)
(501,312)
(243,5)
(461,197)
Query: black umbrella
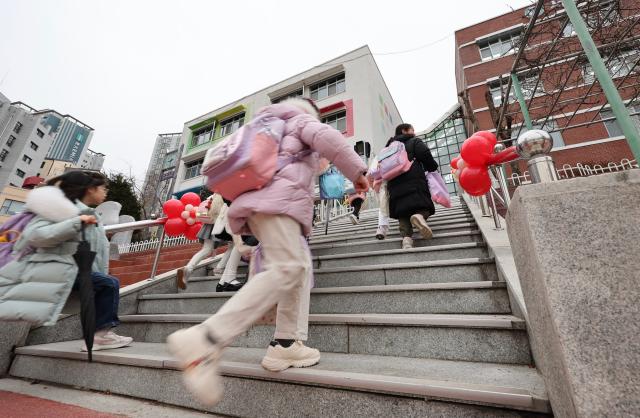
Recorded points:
(84,259)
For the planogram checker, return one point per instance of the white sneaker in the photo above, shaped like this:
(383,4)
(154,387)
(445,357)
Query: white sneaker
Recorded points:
(297,354)
(198,356)
(354,219)
(407,243)
(108,341)
(382,231)
(420,223)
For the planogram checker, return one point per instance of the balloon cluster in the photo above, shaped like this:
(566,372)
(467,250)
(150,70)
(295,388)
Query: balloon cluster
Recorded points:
(471,169)
(181,216)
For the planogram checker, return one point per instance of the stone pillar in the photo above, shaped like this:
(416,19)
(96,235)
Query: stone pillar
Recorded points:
(12,334)
(576,245)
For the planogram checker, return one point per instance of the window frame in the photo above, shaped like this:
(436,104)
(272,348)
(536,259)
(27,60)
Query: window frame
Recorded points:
(337,116)
(191,167)
(40,133)
(18,171)
(17,127)
(11,140)
(3,154)
(326,84)
(230,121)
(497,43)
(34,146)
(207,130)
(25,157)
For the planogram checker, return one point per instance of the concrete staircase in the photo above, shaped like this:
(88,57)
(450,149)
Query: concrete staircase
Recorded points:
(425,332)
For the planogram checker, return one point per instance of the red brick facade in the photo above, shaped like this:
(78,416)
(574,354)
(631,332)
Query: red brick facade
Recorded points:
(473,77)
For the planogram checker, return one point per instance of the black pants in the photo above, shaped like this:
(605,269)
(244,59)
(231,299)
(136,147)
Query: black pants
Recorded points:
(357,205)
(406,228)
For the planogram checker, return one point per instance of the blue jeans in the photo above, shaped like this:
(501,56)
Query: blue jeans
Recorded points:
(107,297)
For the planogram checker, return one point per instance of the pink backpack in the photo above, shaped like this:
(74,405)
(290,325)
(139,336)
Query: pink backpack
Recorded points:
(247,160)
(393,161)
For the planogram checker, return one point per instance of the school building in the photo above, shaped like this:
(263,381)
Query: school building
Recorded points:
(349,90)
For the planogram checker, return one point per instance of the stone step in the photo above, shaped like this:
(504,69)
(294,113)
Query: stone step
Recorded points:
(431,253)
(373,244)
(373,223)
(483,338)
(439,271)
(366,235)
(393,226)
(342,385)
(450,298)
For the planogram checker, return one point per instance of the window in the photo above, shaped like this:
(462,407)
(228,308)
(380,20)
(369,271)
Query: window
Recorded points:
(193,169)
(11,140)
(527,84)
(293,94)
(229,126)
(3,154)
(17,128)
(202,135)
(329,87)
(528,12)
(603,14)
(34,146)
(613,128)
(20,173)
(40,133)
(568,30)
(619,66)
(337,120)
(499,46)
(11,207)
(42,165)
(26,159)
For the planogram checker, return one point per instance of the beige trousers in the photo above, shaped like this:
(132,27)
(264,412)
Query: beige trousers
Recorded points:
(285,282)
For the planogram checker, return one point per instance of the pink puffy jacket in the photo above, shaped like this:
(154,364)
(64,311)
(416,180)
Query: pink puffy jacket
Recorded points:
(291,192)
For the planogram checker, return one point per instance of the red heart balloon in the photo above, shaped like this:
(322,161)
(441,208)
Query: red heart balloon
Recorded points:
(190,199)
(475,180)
(173,208)
(489,136)
(175,226)
(192,231)
(476,150)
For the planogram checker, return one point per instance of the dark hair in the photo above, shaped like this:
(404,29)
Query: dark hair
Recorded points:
(403,127)
(75,184)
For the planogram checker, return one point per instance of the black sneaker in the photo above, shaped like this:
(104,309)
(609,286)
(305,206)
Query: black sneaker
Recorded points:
(229,287)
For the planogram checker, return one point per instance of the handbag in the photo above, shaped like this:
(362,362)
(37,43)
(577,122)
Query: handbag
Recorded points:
(332,184)
(438,189)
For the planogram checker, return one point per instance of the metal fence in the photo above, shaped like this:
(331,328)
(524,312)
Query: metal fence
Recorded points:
(152,244)
(579,170)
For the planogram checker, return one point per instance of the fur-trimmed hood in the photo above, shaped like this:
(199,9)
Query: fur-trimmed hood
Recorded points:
(50,203)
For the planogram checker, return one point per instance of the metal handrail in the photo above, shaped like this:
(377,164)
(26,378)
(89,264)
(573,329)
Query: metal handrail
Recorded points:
(131,226)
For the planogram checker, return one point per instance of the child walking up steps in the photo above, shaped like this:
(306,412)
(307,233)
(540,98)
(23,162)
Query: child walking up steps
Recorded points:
(278,215)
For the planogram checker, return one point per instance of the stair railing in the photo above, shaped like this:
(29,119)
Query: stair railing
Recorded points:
(132,226)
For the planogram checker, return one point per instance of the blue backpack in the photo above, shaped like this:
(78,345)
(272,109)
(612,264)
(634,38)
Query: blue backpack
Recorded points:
(332,184)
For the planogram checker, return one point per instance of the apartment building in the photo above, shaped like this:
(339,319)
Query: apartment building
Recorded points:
(160,172)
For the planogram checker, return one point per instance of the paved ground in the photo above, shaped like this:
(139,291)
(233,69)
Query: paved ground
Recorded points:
(22,399)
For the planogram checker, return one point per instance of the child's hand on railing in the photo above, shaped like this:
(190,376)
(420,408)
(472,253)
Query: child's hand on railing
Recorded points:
(88,219)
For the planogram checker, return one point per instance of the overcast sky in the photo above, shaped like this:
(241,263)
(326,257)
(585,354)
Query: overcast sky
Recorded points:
(134,68)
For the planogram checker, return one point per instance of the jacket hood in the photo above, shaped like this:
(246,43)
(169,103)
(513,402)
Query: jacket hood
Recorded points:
(50,203)
(291,108)
(403,138)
